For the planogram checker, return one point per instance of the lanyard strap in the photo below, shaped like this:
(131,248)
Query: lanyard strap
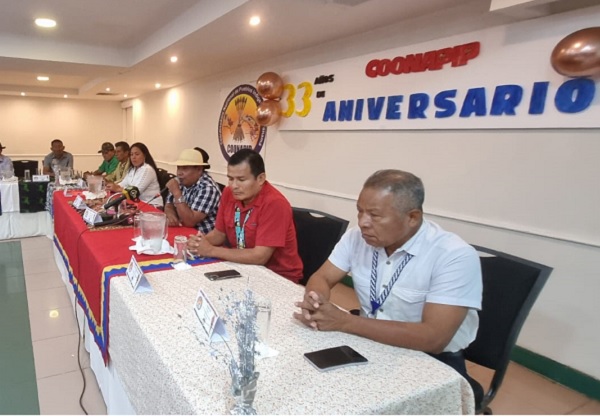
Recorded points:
(239,228)
(378,302)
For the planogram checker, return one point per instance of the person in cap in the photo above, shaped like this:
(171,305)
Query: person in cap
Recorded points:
(194,197)
(109,163)
(5,162)
(255,220)
(122,155)
(58,157)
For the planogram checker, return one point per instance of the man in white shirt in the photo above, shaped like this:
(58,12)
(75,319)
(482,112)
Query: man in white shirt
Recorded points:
(419,286)
(5,162)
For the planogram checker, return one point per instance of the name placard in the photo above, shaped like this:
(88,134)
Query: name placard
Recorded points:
(136,277)
(209,319)
(91,216)
(40,178)
(79,203)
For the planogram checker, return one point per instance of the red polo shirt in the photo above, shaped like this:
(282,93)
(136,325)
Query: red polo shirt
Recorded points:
(270,224)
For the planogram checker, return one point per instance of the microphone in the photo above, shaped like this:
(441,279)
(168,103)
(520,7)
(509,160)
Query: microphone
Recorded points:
(128,193)
(157,195)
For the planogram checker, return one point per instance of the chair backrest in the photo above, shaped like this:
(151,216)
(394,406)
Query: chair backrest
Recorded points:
(163,177)
(510,287)
(21,165)
(316,233)
(221,186)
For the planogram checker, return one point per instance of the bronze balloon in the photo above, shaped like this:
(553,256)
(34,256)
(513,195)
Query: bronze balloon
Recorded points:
(268,113)
(578,54)
(270,86)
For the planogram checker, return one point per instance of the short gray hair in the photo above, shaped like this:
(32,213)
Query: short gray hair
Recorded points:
(408,189)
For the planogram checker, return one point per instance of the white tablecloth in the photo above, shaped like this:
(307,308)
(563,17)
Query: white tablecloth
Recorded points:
(157,348)
(9,193)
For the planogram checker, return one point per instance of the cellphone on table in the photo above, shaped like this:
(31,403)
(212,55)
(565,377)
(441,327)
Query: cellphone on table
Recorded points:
(333,358)
(219,275)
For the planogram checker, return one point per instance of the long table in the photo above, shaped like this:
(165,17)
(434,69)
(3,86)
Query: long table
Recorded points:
(167,367)
(92,256)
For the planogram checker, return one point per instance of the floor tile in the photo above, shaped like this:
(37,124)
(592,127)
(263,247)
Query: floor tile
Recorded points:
(37,242)
(49,299)
(40,266)
(43,281)
(592,407)
(551,397)
(60,394)
(34,254)
(507,404)
(59,356)
(48,324)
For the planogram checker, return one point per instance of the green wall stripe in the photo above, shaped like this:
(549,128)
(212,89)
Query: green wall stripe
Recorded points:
(558,372)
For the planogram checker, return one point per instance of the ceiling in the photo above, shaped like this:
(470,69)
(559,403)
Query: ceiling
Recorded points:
(125,45)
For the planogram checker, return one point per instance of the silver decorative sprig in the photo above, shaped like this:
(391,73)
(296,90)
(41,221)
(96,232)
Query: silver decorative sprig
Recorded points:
(242,316)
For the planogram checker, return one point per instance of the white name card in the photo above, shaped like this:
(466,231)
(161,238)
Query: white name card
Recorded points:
(40,178)
(79,203)
(136,277)
(209,319)
(91,216)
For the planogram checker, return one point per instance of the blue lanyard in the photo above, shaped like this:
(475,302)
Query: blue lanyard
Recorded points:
(239,228)
(376,302)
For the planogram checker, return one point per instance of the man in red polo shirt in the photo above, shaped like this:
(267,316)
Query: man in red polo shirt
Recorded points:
(254,220)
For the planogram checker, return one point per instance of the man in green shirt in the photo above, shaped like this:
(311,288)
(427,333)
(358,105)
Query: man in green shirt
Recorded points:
(110,160)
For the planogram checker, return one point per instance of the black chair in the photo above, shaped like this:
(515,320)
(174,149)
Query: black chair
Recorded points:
(21,165)
(316,233)
(221,186)
(163,177)
(510,287)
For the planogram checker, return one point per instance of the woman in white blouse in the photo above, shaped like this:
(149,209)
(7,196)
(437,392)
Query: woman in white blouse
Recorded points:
(141,174)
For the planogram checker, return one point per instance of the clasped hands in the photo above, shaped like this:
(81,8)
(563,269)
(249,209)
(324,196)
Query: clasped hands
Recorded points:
(319,313)
(199,246)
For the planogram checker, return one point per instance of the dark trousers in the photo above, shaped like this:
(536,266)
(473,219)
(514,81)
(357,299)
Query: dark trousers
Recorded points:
(456,360)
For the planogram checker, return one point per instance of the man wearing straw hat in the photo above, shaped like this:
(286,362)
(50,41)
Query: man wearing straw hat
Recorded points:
(194,196)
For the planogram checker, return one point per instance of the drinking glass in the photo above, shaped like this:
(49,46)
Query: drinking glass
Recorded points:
(179,243)
(263,319)
(27,175)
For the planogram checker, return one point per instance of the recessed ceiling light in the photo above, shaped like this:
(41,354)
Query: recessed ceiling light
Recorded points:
(254,21)
(43,78)
(157,85)
(66,96)
(45,23)
(173,59)
(125,95)
(107,89)
(22,93)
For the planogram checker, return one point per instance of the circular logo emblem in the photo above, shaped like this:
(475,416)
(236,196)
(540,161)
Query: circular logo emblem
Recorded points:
(238,128)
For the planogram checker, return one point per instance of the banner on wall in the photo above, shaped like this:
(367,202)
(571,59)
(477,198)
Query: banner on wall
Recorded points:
(491,79)
(238,128)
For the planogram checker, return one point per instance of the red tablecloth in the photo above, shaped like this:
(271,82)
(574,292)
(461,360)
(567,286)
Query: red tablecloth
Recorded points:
(92,257)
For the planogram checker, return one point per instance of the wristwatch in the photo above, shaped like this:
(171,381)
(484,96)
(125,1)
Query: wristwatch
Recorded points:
(179,199)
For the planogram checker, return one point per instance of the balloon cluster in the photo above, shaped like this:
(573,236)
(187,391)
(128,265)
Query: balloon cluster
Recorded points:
(270,87)
(578,54)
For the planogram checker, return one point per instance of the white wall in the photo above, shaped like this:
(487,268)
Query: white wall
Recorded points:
(532,193)
(29,124)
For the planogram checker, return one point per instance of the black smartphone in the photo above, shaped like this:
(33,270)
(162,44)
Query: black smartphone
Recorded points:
(336,357)
(219,275)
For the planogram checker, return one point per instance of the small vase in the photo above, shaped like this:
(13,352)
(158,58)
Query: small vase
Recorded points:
(244,398)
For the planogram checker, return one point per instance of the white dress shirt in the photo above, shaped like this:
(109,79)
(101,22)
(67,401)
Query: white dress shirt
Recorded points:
(444,270)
